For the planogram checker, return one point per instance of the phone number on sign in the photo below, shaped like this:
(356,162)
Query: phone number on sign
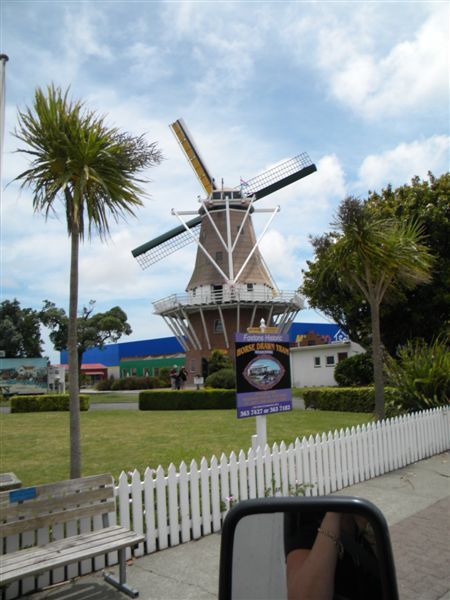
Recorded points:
(255,412)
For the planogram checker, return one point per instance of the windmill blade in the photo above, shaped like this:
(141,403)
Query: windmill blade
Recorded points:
(186,142)
(166,244)
(279,177)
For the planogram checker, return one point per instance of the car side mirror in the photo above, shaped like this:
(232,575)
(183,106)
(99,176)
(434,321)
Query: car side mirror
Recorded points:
(320,548)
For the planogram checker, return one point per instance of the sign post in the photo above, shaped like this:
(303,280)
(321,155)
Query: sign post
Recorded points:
(263,379)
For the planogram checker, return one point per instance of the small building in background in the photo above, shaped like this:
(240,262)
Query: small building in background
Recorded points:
(93,373)
(314,365)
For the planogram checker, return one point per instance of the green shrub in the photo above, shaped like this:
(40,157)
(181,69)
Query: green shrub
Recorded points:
(350,399)
(218,361)
(163,377)
(421,374)
(45,403)
(224,379)
(133,383)
(104,385)
(354,371)
(187,399)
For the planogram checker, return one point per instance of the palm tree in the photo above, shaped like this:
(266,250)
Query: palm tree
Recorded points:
(76,158)
(374,256)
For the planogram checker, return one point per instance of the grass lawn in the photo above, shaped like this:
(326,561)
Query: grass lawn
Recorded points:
(35,446)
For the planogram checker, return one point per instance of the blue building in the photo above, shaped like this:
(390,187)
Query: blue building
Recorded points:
(129,358)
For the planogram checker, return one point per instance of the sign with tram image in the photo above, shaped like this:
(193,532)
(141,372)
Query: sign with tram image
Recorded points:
(263,378)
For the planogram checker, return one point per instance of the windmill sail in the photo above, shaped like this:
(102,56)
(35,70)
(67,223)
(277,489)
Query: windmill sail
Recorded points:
(280,176)
(192,154)
(166,244)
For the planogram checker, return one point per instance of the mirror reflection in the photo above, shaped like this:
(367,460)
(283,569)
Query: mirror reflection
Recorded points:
(305,555)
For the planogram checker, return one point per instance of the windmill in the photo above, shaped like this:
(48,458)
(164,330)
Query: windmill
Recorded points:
(231,287)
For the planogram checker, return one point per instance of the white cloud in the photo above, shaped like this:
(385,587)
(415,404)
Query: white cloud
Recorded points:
(148,63)
(85,29)
(411,73)
(398,165)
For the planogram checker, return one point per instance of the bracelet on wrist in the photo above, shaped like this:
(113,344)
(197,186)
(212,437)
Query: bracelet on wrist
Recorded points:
(334,538)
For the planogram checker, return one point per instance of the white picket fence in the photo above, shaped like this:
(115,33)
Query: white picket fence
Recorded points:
(185,505)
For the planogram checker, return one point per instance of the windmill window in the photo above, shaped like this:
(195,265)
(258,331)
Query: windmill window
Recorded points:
(218,326)
(219,256)
(249,287)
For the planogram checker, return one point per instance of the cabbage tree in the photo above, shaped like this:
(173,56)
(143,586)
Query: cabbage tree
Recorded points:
(90,169)
(372,256)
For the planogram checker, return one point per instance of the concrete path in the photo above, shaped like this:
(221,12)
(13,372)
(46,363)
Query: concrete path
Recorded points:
(415,501)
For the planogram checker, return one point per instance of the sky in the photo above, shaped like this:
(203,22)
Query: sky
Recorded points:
(362,87)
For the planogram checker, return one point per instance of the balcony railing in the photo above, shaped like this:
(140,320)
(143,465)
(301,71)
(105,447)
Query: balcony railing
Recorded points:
(227,295)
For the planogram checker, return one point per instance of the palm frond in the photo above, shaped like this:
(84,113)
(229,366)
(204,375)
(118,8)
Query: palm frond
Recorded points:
(75,157)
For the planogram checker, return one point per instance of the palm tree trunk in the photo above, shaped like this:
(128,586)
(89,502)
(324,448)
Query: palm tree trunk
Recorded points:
(377,360)
(74,393)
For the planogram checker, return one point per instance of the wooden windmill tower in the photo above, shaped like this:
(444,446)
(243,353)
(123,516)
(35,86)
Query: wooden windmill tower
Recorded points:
(231,288)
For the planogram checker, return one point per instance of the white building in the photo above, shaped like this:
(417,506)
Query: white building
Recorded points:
(313,366)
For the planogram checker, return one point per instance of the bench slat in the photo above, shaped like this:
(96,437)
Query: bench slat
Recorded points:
(67,487)
(57,518)
(35,560)
(42,506)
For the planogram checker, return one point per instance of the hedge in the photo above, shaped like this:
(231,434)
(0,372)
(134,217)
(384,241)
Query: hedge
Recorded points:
(350,399)
(45,403)
(187,399)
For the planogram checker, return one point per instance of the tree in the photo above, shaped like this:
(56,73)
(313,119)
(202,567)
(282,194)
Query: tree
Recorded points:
(20,335)
(92,168)
(423,201)
(371,257)
(93,330)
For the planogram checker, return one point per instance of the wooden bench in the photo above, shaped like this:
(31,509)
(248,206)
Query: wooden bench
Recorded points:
(62,507)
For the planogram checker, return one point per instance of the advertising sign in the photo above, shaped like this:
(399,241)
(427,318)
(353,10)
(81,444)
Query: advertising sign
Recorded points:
(23,375)
(263,378)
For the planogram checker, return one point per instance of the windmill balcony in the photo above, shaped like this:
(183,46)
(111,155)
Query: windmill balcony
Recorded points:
(210,295)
